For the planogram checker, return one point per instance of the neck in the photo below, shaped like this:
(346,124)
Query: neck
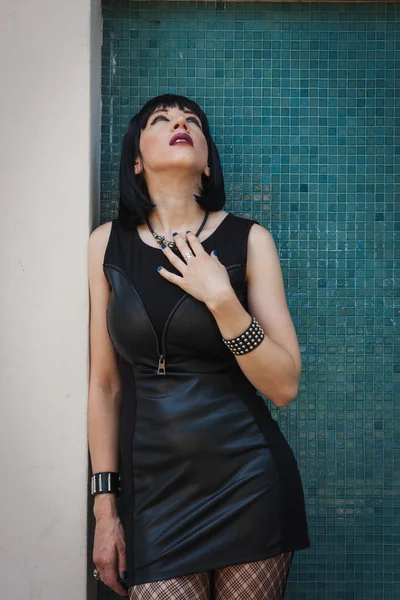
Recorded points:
(175,206)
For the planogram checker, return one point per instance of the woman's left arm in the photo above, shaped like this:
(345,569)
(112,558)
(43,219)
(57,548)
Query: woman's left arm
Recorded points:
(274,366)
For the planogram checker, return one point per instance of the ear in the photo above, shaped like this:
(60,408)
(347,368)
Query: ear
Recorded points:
(207,171)
(138,168)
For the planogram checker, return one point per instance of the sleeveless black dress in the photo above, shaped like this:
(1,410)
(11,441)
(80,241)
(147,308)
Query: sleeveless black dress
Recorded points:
(209,479)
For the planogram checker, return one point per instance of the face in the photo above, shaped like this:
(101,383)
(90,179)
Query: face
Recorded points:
(173,139)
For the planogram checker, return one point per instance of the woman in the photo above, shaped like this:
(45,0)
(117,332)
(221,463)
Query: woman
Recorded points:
(196,323)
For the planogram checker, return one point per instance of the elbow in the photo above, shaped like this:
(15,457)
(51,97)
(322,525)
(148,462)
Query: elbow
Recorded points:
(284,397)
(283,392)
(105,384)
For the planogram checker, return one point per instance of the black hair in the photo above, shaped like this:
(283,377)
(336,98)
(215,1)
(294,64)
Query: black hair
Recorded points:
(135,204)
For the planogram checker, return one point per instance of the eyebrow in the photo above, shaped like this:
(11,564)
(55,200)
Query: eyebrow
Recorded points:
(187,112)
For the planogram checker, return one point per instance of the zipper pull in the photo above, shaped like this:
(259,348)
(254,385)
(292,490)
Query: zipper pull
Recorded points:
(161,365)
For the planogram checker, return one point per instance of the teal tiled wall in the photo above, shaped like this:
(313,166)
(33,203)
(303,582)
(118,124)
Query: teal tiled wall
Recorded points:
(304,105)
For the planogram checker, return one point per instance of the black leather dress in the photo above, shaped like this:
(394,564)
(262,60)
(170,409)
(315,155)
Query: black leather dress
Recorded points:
(209,478)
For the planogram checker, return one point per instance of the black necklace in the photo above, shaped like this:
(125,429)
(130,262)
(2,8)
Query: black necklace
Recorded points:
(162,240)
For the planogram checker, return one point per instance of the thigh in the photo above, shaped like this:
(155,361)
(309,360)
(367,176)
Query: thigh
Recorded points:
(195,586)
(261,580)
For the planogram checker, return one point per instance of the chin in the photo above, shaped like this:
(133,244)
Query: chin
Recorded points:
(183,162)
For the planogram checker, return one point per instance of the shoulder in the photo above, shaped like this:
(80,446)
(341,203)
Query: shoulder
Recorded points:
(244,222)
(101,232)
(262,253)
(98,240)
(260,237)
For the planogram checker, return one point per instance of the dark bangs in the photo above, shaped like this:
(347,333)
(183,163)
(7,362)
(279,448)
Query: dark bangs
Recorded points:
(134,202)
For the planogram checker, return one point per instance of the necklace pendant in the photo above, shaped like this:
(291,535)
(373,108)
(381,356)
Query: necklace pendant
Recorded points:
(162,240)
(172,244)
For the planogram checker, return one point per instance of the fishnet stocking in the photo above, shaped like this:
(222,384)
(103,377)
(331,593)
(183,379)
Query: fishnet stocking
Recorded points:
(261,580)
(190,587)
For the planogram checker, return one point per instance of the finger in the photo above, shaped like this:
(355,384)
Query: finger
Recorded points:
(119,588)
(110,578)
(176,279)
(182,244)
(121,560)
(173,258)
(214,256)
(194,243)
(102,570)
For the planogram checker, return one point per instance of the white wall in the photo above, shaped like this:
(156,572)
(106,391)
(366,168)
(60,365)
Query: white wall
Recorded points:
(49,155)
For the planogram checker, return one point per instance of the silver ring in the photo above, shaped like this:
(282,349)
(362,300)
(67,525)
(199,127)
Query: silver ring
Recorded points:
(96,574)
(188,255)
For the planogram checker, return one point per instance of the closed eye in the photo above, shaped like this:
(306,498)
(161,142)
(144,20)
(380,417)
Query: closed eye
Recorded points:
(158,118)
(194,121)
(165,119)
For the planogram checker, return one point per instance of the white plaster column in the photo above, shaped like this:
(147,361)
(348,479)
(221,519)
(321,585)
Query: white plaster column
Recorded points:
(49,169)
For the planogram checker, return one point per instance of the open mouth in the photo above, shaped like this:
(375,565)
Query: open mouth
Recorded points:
(182,139)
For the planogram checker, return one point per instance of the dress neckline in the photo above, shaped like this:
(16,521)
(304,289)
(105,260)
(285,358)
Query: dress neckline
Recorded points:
(136,232)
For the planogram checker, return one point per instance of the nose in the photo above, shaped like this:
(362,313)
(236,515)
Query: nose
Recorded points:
(180,122)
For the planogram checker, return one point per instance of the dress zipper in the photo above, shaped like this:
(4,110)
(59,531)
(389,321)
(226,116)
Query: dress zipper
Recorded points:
(163,357)
(161,370)
(161,365)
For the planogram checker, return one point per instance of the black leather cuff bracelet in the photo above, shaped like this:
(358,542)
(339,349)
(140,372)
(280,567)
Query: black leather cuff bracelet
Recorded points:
(105,483)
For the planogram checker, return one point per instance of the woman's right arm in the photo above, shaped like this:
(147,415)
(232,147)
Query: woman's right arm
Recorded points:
(103,417)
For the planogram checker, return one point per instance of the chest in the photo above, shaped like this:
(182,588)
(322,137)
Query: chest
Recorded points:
(189,330)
